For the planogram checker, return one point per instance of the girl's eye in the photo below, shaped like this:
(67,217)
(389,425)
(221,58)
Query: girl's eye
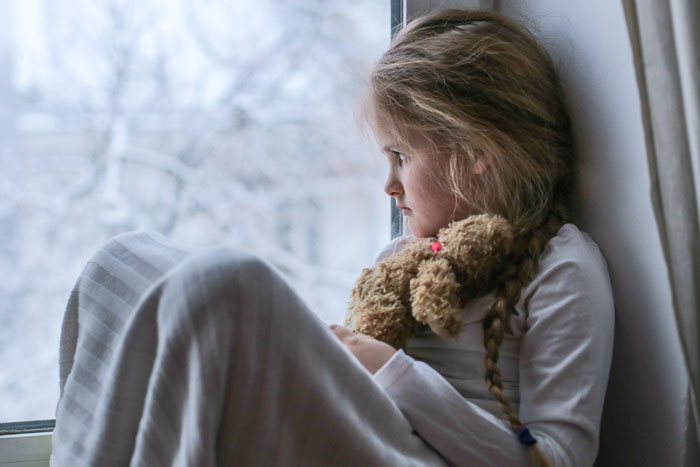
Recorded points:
(400,157)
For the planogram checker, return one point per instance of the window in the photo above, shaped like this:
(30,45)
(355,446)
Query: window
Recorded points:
(209,121)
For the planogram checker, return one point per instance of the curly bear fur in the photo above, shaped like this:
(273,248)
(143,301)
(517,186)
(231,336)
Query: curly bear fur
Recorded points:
(427,283)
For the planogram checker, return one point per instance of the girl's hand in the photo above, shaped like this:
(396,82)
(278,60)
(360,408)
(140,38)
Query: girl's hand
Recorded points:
(373,354)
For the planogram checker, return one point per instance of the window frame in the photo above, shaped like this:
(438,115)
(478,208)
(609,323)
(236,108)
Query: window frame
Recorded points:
(398,21)
(26,444)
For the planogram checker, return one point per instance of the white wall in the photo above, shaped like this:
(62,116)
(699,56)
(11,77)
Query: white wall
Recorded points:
(646,405)
(646,408)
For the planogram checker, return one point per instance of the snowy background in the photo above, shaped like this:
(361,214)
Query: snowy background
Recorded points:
(210,121)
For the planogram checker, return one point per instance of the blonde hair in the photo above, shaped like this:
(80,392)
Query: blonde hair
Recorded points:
(481,90)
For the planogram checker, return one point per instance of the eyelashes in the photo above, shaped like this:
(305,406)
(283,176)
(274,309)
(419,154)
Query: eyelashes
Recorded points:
(395,156)
(399,157)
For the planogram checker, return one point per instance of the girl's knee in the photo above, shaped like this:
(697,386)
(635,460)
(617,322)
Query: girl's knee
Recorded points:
(231,267)
(226,279)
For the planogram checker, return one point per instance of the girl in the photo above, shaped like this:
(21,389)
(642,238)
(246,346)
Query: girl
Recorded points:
(469,112)
(209,358)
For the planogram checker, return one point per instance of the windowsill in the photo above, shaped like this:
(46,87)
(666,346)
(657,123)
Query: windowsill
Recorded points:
(25,450)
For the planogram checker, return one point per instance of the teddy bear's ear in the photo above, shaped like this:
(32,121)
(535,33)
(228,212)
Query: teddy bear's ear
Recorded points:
(434,299)
(477,245)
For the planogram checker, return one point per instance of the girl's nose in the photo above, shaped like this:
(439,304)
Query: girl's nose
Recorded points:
(393,186)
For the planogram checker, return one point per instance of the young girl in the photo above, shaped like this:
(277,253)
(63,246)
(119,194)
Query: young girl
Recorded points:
(469,112)
(209,358)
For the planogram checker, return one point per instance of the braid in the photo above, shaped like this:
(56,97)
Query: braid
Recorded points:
(525,255)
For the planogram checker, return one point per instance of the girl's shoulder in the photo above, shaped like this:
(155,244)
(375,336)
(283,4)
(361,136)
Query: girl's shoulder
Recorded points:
(571,239)
(574,251)
(571,272)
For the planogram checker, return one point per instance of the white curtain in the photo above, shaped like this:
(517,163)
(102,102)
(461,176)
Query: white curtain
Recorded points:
(665,37)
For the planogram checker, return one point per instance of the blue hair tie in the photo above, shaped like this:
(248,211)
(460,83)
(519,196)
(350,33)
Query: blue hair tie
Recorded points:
(526,437)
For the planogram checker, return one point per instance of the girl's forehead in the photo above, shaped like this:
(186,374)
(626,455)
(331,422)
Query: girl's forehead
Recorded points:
(386,138)
(394,138)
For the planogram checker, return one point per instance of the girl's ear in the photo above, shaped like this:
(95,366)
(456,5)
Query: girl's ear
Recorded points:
(480,165)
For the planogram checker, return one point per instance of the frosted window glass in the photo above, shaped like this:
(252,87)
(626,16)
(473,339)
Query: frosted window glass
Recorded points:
(208,121)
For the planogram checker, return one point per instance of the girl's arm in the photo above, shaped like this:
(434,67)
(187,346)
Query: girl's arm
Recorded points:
(564,362)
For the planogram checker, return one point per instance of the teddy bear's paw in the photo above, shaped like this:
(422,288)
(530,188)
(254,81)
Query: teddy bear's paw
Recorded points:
(383,317)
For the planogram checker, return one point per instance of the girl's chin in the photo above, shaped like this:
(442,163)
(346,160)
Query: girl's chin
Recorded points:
(419,231)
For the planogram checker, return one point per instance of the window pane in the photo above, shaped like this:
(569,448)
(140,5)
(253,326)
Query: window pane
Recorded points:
(208,121)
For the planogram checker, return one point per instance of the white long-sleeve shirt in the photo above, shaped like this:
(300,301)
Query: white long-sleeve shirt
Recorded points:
(554,359)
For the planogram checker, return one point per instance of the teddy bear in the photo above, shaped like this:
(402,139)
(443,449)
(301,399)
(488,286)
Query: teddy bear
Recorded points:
(429,281)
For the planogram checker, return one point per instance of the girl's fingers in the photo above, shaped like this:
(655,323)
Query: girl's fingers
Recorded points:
(341,331)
